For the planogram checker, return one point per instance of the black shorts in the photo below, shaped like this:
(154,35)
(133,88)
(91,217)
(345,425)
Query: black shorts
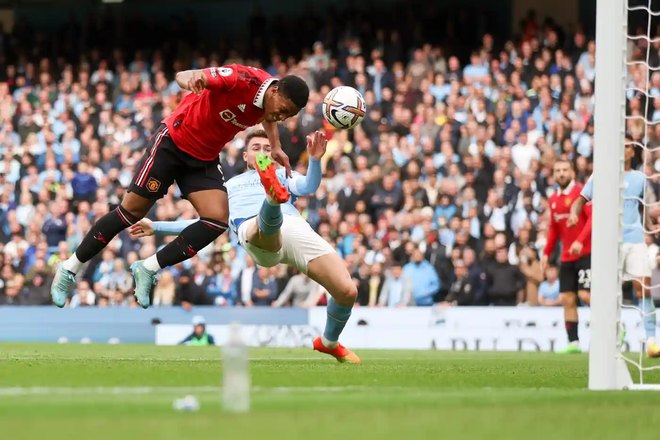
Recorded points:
(575,275)
(164,163)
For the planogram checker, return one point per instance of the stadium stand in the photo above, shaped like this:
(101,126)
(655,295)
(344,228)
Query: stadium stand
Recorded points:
(447,178)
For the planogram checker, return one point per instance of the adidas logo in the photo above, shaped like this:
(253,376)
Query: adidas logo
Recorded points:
(241,107)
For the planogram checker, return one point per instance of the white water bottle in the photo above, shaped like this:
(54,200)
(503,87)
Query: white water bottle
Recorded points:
(236,374)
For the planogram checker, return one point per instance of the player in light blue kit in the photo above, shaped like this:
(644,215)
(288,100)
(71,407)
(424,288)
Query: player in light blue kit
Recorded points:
(636,264)
(272,231)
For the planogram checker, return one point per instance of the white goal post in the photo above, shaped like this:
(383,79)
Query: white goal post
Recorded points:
(607,368)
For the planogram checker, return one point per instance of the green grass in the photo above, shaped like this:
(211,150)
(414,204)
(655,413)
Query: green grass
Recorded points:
(300,395)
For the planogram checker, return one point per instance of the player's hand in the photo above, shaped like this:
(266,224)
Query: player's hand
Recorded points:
(316,145)
(572,220)
(544,263)
(280,157)
(197,82)
(576,248)
(143,228)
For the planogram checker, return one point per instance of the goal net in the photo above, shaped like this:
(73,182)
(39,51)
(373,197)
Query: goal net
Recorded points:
(627,67)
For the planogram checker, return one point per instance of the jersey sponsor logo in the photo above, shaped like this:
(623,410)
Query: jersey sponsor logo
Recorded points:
(559,217)
(227,115)
(153,185)
(225,71)
(241,107)
(214,72)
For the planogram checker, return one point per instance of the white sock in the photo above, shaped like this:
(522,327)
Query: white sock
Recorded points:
(270,201)
(575,344)
(72,264)
(151,264)
(329,344)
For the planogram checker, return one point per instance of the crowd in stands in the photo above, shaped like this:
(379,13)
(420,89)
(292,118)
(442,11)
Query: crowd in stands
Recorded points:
(439,196)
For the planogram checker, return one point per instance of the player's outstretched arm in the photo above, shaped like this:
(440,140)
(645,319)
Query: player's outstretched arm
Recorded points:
(276,151)
(146,228)
(304,185)
(212,78)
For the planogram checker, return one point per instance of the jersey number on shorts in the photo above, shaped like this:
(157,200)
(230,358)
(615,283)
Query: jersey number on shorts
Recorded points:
(584,278)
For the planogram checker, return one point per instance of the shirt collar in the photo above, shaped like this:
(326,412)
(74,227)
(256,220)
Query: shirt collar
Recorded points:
(261,93)
(568,188)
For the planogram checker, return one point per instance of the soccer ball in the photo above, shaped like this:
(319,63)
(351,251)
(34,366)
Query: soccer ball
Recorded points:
(344,108)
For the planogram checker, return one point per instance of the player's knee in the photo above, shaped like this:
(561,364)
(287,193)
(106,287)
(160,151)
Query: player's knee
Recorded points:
(347,293)
(568,300)
(136,205)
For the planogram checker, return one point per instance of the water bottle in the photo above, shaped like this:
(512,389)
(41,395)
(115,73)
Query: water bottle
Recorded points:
(236,375)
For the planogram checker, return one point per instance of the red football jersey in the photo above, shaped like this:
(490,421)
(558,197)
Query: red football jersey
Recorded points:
(560,209)
(232,102)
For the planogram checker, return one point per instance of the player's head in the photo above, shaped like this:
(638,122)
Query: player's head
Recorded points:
(285,98)
(563,172)
(255,142)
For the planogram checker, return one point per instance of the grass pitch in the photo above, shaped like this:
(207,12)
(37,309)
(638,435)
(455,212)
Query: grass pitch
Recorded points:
(64,392)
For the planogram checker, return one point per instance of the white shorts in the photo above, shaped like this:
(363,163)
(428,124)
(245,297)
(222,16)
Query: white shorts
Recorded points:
(300,244)
(636,262)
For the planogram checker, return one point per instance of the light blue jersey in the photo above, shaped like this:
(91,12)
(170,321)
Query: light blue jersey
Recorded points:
(246,195)
(634,182)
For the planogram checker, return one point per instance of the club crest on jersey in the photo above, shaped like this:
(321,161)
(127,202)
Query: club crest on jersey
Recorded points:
(554,205)
(225,71)
(568,201)
(153,185)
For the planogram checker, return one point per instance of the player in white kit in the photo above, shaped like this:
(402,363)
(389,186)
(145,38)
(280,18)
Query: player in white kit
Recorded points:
(272,231)
(636,264)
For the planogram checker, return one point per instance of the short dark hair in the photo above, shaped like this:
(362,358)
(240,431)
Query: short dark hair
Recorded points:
(294,88)
(256,133)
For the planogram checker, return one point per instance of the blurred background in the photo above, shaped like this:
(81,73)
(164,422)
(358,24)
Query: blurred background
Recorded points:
(443,186)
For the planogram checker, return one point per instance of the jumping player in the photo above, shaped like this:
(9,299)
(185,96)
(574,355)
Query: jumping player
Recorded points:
(225,101)
(636,267)
(272,231)
(575,271)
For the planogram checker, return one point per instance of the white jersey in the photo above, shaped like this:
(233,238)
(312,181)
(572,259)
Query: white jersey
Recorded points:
(246,195)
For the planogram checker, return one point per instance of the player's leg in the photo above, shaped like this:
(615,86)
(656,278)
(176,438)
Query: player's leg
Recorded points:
(150,182)
(330,272)
(305,249)
(636,268)
(202,183)
(263,236)
(568,287)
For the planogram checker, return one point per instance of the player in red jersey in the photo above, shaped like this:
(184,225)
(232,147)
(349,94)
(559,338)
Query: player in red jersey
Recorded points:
(224,101)
(575,272)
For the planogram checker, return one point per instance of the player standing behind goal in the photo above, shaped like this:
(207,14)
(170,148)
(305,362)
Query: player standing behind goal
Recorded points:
(636,267)
(575,271)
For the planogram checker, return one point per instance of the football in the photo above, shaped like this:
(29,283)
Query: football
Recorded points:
(344,108)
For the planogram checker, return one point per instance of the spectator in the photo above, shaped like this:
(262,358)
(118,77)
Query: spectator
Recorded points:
(504,280)
(264,288)
(462,291)
(298,291)
(397,291)
(549,289)
(165,290)
(426,282)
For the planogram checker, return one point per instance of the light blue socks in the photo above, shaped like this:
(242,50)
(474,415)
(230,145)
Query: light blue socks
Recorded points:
(647,306)
(336,321)
(270,217)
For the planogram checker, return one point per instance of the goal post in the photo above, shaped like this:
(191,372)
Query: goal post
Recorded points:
(607,371)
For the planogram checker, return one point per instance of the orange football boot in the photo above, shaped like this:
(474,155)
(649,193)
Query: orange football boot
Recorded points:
(269,180)
(341,353)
